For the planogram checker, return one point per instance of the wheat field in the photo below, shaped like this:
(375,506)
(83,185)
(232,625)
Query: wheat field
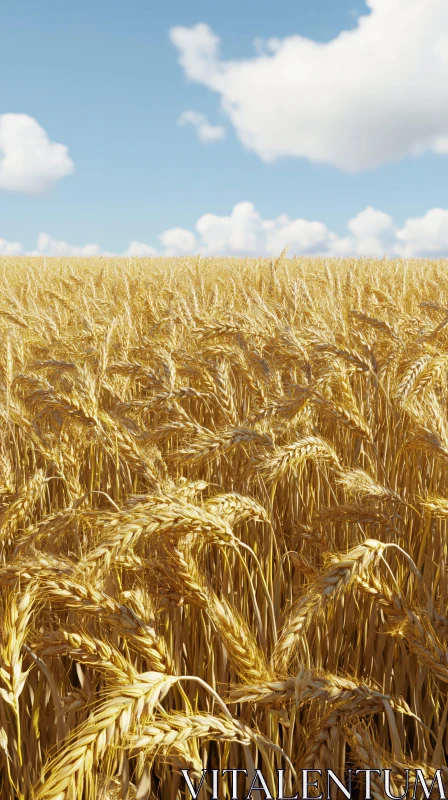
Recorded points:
(223,520)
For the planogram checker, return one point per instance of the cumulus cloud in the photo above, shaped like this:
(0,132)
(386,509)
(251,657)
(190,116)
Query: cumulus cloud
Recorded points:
(244,232)
(140,250)
(371,95)
(10,248)
(373,233)
(177,242)
(424,236)
(29,161)
(198,50)
(206,132)
(48,246)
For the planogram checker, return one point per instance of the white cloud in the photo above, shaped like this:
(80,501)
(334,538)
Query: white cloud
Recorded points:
(370,96)
(372,234)
(29,161)
(424,236)
(198,50)
(240,232)
(10,248)
(140,250)
(206,132)
(370,222)
(244,232)
(48,246)
(178,242)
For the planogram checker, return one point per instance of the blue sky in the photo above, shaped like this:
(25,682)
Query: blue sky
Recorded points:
(104,79)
